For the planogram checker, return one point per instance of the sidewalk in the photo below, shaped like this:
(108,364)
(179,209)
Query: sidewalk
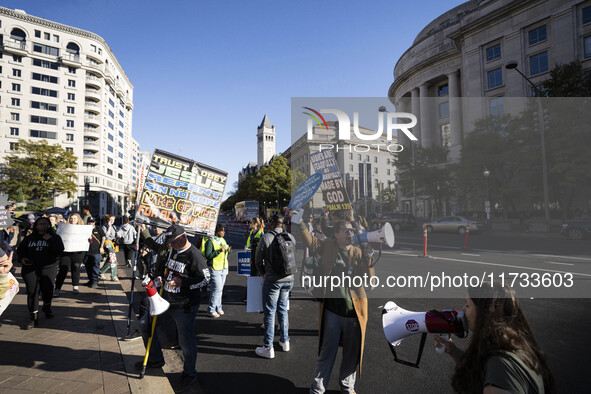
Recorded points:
(80,348)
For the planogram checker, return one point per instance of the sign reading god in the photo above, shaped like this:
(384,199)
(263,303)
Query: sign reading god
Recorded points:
(333,188)
(183,191)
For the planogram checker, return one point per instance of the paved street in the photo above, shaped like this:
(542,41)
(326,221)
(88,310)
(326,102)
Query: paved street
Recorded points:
(79,348)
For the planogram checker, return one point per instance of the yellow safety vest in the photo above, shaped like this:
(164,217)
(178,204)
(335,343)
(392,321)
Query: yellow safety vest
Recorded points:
(220,262)
(258,235)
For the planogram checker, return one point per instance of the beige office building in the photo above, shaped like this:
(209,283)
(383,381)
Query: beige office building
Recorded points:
(65,85)
(463,53)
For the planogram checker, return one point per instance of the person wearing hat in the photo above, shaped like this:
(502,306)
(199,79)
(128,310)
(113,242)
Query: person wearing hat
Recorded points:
(183,274)
(92,260)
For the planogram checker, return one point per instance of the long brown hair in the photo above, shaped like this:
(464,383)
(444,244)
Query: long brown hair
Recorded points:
(500,325)
(258,224)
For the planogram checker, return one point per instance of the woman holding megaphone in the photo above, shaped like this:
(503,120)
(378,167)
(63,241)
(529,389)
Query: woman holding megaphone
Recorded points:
(503,356)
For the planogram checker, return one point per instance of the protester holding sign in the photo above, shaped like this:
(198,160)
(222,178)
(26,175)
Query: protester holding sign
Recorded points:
(216,253)
(39,253)
(73,257)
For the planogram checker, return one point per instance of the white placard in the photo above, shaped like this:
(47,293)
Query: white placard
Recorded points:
(74,236)
(254,294)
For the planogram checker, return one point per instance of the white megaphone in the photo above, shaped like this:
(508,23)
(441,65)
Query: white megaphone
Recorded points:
(399,323)
(385,235)
(158,305)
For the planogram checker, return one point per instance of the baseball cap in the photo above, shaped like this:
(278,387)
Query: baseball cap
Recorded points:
(173,232)
(31,216)
(90,220)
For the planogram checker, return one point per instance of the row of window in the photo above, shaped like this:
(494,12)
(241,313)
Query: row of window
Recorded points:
(47,36)
(16,117)
(538,64)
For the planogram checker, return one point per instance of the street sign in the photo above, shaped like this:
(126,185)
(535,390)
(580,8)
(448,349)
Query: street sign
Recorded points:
(244,263)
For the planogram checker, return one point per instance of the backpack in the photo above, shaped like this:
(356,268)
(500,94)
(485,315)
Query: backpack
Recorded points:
(283,258)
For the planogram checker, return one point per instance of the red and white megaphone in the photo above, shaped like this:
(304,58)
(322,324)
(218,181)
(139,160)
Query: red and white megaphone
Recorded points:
(385,235)
(158,305)
(399,323)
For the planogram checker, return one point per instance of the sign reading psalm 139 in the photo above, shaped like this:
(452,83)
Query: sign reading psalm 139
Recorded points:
(182,191)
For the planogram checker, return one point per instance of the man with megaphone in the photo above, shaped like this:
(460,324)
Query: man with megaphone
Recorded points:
(344,307)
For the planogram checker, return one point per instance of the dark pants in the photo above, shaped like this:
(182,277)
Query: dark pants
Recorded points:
(69,260)
(129,252)
(39,279)
(92,262)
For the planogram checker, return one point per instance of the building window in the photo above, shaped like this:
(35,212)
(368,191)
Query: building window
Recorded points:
(538,63)
(121,145)
(71,83)
(46,49)
(112,103)
(375,170)
(537,35)
(109,171)
(56,38)
(16,87)
(121,124)
(388,171)
(110,148)
(69,123)
(120,165)
(15,101)
(71,96)
(45,64)
(44,92)
(44,78)
(47,36)
(43,134)
(445,135)
(111,114)
(120,155)
(43,120)
(496,106)
(493,52)
(443,90)
(70,110)
(444,109)
(494,78)
(13,146)
(110,160)
(121,136)
(375,159)
(586,15)
(15,116)
(38,33)
(44,106)
(16,72)
(72,70)
(587,46)
(69,137)
(18,59)
(14,131)
(110,136)
(111,126)
(350,167)
(70,150)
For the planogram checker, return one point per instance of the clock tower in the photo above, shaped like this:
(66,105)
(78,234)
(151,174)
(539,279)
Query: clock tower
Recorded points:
(265,142)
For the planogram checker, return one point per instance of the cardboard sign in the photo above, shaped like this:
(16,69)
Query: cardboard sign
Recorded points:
(5,219)
(75,237)
(183,191)
(244,263)
(333,188)
(254,294)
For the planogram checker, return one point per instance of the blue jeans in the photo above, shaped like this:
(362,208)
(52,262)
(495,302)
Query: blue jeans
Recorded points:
(275,298)
(92,263)
(185,324)
(217,281)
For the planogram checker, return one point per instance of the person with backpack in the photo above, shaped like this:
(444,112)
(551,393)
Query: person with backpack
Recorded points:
(127,237)
(275,260)
(216,252)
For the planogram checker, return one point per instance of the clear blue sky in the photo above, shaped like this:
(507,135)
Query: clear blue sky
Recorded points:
(206,72)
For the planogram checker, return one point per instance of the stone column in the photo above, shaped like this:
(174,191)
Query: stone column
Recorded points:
(455,115)
(416,111)
(426,132)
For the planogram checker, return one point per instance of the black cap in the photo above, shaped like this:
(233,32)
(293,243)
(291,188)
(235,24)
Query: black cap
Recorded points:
(173,232)
(90,220)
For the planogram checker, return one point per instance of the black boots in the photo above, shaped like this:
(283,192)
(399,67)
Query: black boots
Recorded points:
(47,311)
(32,321)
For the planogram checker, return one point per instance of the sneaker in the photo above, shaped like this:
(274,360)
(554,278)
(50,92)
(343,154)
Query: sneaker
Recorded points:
(56,293)
(215,315)
(102,276)
(134,335)
(115,279)
(284,346)
(94,285)
(264,352)
(151,364)
(186,382)
(220,312)
(88,284)
(76,291)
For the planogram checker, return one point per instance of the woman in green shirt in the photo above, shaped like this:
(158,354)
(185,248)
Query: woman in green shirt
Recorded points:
(503,356)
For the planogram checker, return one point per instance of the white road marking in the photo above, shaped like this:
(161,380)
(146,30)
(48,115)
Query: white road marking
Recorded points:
(552,262)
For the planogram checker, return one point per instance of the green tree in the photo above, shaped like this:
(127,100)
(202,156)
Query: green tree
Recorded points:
(38,171)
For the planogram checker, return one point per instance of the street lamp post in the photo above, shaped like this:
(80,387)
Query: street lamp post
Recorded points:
(486,174)
(512,65)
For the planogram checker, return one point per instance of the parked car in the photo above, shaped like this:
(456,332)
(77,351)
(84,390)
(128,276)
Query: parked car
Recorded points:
(457,224)
(577,229)
(398,221)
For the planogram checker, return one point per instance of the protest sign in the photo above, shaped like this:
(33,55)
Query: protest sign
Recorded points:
(183,191)
(75,237)
(244,263)
(5,219)
(333,188)
(254,294)
(305,191)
